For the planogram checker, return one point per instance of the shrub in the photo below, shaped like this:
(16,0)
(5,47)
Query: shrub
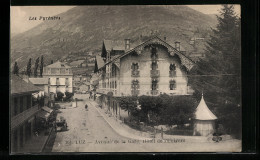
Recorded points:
(163,109)
(69,96)
(177,110)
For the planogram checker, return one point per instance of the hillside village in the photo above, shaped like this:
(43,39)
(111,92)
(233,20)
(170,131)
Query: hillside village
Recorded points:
(122,86)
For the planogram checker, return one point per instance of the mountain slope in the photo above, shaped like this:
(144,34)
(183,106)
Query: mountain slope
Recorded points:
(83,28)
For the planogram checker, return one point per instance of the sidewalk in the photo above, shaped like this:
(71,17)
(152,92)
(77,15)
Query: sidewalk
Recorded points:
(125,131)
(120,127)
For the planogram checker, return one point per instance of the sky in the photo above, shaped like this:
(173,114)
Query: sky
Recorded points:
(20,14)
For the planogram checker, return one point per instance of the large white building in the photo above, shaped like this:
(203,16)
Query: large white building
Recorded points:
(59,77)
(152,67)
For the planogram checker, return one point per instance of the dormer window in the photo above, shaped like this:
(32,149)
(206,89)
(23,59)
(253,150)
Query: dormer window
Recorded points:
(172,70)
(154,54)
(172,67)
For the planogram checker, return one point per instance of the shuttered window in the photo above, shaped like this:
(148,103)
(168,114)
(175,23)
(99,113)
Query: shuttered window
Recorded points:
(172,85)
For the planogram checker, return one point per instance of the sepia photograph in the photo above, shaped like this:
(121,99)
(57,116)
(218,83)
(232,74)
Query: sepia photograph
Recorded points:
(125,78)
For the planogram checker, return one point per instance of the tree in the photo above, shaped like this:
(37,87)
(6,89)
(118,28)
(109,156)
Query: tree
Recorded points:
(177,110)
(59,96)
(41,66)
(16,69)
(28,70)
(69,96)
(220,70)
(36,67)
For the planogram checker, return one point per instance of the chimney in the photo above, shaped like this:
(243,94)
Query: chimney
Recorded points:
(177,45)
(127,44)
(164,38)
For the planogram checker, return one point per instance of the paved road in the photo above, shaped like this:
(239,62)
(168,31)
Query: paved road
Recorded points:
(89,132)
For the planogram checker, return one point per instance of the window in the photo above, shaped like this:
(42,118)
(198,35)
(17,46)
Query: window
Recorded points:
(172,85)
(135,72)
(172,70)
(21,104)
(53,71)
(62,71)
(135,66)
(154,65)
(135,87)
(115,85)
(113,70)
(135,84)
(172,67)
(154,85)
(154,53)
(15,106)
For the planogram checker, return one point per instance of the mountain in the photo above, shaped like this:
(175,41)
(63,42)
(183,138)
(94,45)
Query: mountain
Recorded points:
(84,27)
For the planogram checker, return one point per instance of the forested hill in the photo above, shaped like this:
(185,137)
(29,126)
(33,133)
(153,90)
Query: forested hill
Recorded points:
(83,28)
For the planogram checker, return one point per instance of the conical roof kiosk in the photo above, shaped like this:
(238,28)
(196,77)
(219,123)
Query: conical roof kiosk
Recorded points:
(204,122)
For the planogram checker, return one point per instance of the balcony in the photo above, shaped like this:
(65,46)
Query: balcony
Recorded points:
(135,73)
(135,92)
(154,92)
(155,73)
(172,73)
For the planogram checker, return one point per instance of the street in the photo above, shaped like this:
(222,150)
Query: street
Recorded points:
(89,132)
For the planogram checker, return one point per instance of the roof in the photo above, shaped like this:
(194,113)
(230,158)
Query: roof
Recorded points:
(37,81)
(91,64)
(185,61)
(100,61)
(47,109)
(202,111)
(75,63)
(114,45)
(19,86)
(58,64)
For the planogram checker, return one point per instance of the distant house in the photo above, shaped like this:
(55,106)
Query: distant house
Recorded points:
(84,87)
(59,76)
(91,64)
(41,83)
(77,63)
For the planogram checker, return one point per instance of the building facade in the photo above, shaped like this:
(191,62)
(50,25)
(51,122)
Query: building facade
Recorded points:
(23,112)
(150,68)
(41,83)
(59,76)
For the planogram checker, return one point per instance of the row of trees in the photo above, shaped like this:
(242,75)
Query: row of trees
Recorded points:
(29,72)
(60,96)
(163,109)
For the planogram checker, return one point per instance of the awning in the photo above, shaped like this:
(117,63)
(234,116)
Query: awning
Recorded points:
(43,114)
(47,109)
